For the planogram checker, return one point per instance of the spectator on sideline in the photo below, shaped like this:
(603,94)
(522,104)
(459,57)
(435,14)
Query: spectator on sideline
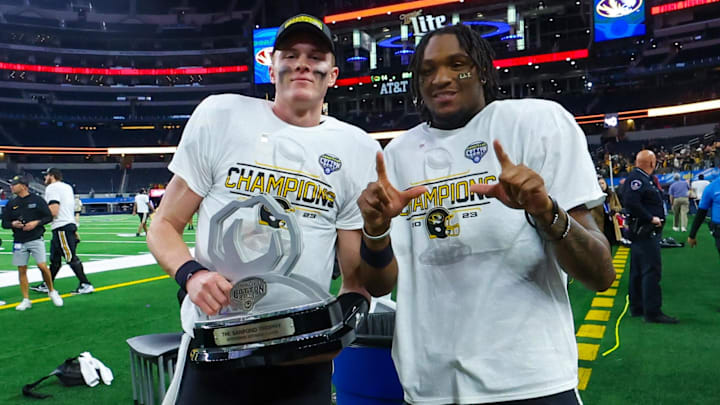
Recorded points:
(78,210)
(679,192)
(710,201)
(26,215)
(604,215)
(698,186)
(142,207)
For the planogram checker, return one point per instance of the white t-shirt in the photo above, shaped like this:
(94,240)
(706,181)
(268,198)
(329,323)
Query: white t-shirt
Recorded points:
(234,147)
(62,193)
(698,187)
(482,307)
(141,203)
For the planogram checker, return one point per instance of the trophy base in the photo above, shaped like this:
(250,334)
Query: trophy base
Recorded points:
(277,338)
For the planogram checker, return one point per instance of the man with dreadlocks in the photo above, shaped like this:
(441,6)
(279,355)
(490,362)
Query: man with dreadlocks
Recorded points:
(492,218)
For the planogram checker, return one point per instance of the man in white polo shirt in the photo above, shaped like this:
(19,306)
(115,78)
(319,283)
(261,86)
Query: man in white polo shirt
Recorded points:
(61,201)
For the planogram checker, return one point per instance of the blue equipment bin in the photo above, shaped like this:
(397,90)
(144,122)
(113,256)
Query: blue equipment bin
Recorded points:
(364,371)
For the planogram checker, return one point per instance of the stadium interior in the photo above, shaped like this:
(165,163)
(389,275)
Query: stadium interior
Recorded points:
(102,90)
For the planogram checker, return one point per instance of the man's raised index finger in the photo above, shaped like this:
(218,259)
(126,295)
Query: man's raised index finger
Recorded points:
(502,157)
(380,166)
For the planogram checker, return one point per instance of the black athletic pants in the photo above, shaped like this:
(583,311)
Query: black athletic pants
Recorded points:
(307,384)
(62,247)
(645,272)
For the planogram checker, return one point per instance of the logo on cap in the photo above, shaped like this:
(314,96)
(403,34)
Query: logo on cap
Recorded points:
(304,18)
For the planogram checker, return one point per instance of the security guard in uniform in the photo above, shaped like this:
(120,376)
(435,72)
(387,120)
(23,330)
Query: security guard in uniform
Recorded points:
(710,201)
(643,200)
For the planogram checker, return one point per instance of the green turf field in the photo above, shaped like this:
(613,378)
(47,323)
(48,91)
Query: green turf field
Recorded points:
(654,364)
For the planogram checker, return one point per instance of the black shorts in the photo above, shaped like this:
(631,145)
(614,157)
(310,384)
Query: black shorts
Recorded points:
(306,384)
(143,217)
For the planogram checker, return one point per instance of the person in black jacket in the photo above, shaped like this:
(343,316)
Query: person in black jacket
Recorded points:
(26,215)
(642,198)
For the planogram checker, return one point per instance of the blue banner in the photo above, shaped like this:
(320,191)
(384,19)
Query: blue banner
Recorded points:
(263,41)
(618,19)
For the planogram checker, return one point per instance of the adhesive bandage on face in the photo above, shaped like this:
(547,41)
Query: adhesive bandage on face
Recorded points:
(464,75)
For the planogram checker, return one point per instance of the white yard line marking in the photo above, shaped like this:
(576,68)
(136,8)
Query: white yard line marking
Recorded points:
(10,278)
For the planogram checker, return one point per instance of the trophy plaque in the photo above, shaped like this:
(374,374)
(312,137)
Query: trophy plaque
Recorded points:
(274,316)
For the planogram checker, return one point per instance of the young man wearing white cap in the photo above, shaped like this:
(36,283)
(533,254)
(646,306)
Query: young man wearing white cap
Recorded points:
(26,215)
(234,147)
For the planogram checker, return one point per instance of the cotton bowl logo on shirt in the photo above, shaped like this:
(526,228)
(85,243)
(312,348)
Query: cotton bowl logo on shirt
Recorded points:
(635,185)
(476,150)
(329,163)
(617,8)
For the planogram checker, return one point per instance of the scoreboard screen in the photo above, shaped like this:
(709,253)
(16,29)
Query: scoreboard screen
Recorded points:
(618,19)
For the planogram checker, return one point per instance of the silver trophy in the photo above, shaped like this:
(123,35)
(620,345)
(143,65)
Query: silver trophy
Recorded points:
(274,316)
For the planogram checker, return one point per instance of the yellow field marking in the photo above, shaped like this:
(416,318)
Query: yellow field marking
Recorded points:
(602,302)
(597,315)
(583,377)
(587,351)
(610,292)
(129,283)
(591,331)
(617,327)
(615,284)
(105,288)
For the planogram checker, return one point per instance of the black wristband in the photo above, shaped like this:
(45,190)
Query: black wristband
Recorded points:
(555,212)
(183,274)
(376,258)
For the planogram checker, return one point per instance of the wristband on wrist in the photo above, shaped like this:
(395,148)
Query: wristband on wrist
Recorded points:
(555,213)
(376,258)
(378,237)
(183,274)
(556,218)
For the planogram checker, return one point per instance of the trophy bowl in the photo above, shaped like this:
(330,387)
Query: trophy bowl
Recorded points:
(274,316)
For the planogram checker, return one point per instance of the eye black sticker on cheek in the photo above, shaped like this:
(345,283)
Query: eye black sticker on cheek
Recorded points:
(464,75)
(320,73)
(283,70)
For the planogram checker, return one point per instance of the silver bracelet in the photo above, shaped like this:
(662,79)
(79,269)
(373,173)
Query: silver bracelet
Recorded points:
(567,228)
(378,237)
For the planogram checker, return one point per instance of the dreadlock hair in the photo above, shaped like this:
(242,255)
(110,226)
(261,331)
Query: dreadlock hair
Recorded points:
(474,45)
